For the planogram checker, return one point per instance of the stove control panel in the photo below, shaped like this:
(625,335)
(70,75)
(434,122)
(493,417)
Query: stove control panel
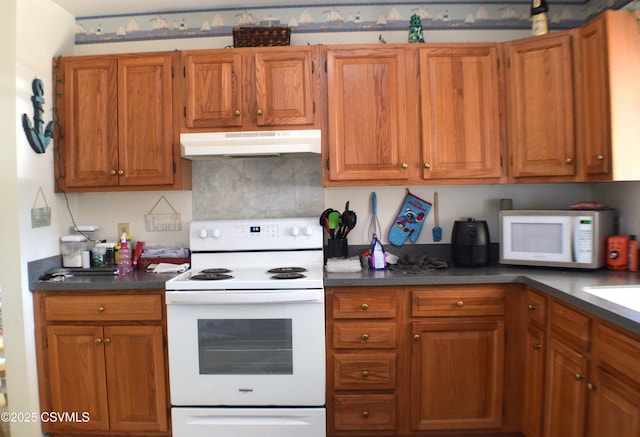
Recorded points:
(255,234)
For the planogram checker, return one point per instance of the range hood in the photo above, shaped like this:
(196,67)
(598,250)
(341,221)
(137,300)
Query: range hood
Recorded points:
(246,144)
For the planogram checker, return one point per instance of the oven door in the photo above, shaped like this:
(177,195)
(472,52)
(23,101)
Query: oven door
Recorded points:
(246,348)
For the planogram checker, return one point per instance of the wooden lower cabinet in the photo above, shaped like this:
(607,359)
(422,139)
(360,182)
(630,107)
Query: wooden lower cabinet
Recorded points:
(104,359)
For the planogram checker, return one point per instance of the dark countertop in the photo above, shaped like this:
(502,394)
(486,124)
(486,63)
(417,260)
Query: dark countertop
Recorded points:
(564,284)
(135,281)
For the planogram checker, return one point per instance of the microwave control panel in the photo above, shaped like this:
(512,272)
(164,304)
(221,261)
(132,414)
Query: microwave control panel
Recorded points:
(583,239)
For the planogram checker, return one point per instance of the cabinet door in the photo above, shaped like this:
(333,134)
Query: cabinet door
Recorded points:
(283,87)
(145,120)
(366,103)
(214,93)
(593,90)
(460,112)
(136,378)
(565,401)
(77,377)
(540,106)
(614,407)
(457,374)
(534,381)
(87,137)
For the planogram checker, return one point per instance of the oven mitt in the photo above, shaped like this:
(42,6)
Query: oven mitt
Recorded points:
(410,219)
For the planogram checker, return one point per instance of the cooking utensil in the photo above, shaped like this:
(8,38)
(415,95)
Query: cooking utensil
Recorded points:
(437,230)
(324,219)
(375,230)
(334,222)
(349,220)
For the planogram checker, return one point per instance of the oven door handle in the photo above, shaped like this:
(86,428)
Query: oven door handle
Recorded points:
(241,297)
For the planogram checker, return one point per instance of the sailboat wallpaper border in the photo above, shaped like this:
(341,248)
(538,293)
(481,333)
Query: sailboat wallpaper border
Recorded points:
(332,17)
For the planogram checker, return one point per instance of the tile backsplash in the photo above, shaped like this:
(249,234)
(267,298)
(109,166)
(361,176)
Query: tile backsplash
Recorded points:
(225,188)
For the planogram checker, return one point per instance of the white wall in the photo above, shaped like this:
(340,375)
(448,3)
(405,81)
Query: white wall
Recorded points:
(31,31)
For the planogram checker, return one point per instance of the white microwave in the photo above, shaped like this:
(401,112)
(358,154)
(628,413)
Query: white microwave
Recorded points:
(576,239)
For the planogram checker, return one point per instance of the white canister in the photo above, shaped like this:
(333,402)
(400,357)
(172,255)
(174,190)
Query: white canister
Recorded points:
(72,247)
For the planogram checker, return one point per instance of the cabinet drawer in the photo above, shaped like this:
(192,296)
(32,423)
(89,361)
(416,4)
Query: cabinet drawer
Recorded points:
(349,305)
(381,335)
(457,301)
(103,308)
(570,325)
(537,309)
(618,350)
(364,412)
(364,371)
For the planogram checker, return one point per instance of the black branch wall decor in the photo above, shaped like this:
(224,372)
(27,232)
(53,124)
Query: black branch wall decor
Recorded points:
(37,135)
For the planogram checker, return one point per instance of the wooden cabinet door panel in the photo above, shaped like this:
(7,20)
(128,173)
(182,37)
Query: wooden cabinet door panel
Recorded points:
(614,408)
(136,378)
(541,107)
(76,377)
(364,335)
(89,131)
(565,402)
(457,374)
(145,121)
(460,112)
(284,93)
(214,92)
(366,103)
(535,346)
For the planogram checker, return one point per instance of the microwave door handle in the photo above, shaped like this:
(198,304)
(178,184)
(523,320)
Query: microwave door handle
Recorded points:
(574,239)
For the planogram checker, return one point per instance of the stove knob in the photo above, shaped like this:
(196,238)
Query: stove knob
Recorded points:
(308,230)
(295,231)
(216,233)
(203,233)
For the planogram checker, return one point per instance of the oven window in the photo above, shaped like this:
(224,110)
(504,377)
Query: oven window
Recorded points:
(245,346)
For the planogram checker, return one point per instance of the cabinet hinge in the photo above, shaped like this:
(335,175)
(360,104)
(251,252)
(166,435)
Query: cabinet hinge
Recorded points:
(498,62)
(328,164)
(313,67)
(508,62)
(175,168)
(314,107)
(501,162)
(184,111)
(173,72)
(184,71)
(326,68)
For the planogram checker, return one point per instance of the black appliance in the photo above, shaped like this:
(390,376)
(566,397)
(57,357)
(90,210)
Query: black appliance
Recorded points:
(470,243)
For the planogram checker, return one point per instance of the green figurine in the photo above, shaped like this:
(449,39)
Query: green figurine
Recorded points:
(415,29)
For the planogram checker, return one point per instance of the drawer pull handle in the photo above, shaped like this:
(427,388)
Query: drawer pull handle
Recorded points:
(236,112)
(531,307)
(599,157)
(579,377)
(460,304)
(365,374)
(537,346)
(107,341)
(416,337)
(100,309)
(365,337)
(365,414)
(98,341)
(365,306)
(259,112)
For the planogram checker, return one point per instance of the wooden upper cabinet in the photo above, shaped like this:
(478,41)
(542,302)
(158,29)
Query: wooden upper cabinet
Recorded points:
(367,132)
(117,123)
(539,91)
(607,63)
(460,102)
(249,89)
(213,89)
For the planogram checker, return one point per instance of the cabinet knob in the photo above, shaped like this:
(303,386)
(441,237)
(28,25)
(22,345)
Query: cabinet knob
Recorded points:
(537,346)
(579,377)
(427,165)
(236,112)
(100,309)
(591,387)
(365,374)
(259,112)
(98,341)
(568,161)
(531,307)
(365,337)
(599,157)
(365,306)
(405,165)
(416,337)
(365,414)
(113,172)
(460,304)
(120,172)
(106,341)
